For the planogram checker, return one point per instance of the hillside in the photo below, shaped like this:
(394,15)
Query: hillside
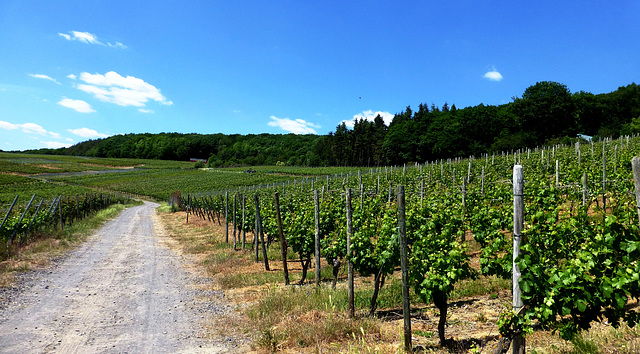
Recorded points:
(546,113)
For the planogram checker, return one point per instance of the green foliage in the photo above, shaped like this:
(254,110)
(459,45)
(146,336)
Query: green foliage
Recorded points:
(546,112)
(438,260)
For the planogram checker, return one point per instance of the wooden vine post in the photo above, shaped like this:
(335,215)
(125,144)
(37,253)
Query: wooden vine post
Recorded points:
(60,212)
(226,217)
(317,238)
(235,238)
(604,179)
(585,189)
(188,206)
(464,203)
(9,212)
(260,234)
(15,231)
(518,343)
(256,229)
(635,165)
(404,265)
(283,242)
(352,310)
(244,234)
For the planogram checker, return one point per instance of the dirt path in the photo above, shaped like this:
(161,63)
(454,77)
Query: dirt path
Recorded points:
(123,291)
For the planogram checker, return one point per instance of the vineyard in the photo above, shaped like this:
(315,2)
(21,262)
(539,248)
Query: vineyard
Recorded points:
(22,222)
(579,240)
(579,235)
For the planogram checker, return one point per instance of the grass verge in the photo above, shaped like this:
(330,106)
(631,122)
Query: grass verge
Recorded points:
(309,319)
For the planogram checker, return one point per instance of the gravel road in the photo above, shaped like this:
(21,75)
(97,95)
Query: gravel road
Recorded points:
(122,291)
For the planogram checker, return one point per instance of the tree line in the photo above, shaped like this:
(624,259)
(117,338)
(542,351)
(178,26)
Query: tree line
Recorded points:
(546,113)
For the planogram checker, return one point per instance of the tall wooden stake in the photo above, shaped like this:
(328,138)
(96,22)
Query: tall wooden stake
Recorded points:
(404,265)
(283,242)
(235,227)
(261,234)
(244,234)
(317,239)
(352,310)
(635,165)
(518,343)
(226,217)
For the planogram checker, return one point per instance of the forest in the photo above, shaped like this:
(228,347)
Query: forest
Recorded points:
(546,113)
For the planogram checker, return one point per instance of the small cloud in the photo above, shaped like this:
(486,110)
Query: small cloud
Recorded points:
(77,105)
(71,76)
(295,126)
(44,77)
(236,111)
(89,38)
(117,45)
(55,144)
(30,128)
(84,37)
(33,128)
(8,126)
(493,75)
(123,91)
(369,115)
(142,110)
(87,133)
(55,135)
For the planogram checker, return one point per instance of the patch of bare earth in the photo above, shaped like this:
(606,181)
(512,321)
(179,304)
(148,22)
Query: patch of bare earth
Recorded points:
(110,166)
(120,291)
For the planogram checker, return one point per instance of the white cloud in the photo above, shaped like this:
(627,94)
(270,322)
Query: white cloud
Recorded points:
(55,144)
(87,133)
(493,75)
(44,77)
(296,126)
(77,105)
(84,37)
(55,135)
(370,116)
(123,91)
(30,128)
(142,110)
(8,126)
(89,38)
(117,45)
(71,76)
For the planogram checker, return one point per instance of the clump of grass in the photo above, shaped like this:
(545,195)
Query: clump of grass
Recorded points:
(606,339)
(233,280)
(303,317)
(584,346)
(480,286)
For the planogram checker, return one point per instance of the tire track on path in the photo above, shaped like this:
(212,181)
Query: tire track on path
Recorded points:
(119,292)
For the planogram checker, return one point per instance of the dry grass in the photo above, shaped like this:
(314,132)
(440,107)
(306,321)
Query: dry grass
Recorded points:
(306,319)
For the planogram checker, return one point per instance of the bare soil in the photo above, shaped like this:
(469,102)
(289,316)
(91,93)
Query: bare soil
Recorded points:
(122,291)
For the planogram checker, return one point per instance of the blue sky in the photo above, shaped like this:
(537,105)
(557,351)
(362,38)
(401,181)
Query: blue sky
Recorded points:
(77,70)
